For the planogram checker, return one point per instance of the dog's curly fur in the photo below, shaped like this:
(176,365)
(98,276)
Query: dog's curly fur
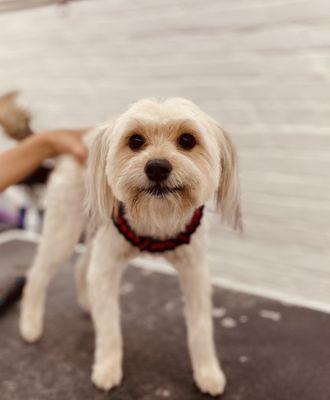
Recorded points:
(116,173)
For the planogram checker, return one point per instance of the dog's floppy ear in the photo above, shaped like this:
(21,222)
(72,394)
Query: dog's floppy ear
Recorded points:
(99,197)
(229,193)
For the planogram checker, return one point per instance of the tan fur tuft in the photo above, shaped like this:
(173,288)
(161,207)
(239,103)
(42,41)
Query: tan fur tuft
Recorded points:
(14,119)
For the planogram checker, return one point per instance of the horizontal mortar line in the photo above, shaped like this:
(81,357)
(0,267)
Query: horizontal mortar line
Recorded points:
(21,5)
(157,7)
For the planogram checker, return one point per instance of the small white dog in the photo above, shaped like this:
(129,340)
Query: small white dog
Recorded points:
(148,175)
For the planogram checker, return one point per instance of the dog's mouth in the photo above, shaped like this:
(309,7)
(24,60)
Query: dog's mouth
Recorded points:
(163,190)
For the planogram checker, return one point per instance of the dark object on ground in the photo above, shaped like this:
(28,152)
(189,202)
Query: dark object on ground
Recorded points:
(262,358)
(11,294)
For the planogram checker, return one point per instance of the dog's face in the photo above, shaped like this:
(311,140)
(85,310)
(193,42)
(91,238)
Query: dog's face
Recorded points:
(163,158)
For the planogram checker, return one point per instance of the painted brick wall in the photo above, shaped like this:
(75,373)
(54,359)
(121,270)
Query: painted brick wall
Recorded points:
(262,68)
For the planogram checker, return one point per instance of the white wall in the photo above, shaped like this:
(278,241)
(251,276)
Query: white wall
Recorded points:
(262,68)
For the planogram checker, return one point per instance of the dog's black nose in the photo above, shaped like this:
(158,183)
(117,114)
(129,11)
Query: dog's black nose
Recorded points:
(158,170)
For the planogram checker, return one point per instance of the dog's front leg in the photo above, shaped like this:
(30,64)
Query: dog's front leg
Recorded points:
(195,283)
(103,279)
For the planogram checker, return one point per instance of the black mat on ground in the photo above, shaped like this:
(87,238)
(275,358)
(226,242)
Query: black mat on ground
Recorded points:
(263,359)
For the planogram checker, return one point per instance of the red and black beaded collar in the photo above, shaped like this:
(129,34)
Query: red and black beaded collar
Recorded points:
(147,243)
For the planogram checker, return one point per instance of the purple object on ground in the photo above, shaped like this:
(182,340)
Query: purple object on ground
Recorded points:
(9,217)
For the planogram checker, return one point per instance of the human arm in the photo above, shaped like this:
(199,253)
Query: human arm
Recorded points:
(17,163)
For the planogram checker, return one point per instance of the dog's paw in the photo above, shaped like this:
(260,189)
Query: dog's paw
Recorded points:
(210,380)
(31,326)
(106,376)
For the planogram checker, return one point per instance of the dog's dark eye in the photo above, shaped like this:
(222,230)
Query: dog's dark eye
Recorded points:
(187,141)
(136,141)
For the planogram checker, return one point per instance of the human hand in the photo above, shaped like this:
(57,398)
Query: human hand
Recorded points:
(67,141)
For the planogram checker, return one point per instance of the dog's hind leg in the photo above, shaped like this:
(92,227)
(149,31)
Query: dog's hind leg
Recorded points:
(81,270)
(64,222)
